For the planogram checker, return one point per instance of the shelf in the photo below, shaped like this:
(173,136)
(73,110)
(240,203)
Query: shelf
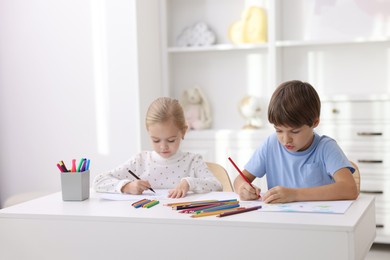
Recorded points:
(343,62)
(262,46)
(308,43)
(355,98)
(218,47)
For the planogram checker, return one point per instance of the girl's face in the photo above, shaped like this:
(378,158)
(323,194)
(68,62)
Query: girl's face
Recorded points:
(295,139)
(165,138)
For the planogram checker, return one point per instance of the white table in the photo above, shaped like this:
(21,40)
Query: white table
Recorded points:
(49,228)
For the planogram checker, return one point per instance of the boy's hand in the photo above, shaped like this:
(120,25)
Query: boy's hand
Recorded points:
(136,187)
(180,190)
(246,192)
(279,194)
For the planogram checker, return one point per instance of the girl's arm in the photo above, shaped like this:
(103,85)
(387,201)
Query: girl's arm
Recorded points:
(344,188)
(113,180)
(202,180)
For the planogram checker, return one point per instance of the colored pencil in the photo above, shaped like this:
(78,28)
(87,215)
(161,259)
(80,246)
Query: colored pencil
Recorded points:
(151,204)
(141,203)
(210,205)
(188,202)
(137,202)
(219,207)
(240,172)
(192,204)
(212,213)
(238,211)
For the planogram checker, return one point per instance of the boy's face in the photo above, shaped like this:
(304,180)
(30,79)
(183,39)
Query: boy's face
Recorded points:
(165,138)
(295,139)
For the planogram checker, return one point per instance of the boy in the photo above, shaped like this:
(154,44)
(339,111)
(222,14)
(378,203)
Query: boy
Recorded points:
(299,164)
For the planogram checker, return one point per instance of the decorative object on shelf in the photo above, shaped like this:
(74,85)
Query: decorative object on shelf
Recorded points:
(250,109)
(197,35)
(251,28)
(196,109)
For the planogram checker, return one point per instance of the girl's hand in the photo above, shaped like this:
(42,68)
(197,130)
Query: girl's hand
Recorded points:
(279,194)
(246,192)
(180,190)
(136,187)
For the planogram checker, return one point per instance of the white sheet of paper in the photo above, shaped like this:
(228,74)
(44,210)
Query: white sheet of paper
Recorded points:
(160,194)
(332,207)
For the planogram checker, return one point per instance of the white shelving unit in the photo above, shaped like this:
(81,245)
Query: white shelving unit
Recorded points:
(341,47)
(338,52)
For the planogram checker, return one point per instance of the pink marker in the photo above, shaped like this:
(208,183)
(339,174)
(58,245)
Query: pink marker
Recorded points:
(73,165)
(59,167)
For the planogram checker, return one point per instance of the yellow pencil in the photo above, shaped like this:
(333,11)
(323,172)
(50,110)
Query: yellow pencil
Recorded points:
(150,204)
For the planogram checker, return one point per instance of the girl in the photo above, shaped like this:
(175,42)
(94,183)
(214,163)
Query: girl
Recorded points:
(166,167)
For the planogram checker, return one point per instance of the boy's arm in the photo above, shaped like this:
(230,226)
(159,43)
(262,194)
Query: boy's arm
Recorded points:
(244,189)
(344,188)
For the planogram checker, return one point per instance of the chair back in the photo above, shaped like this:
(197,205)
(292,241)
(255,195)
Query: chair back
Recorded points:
(221,174)
(356,175)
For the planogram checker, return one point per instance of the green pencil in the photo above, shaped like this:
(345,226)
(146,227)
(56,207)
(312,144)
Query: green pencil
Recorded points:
(151,204)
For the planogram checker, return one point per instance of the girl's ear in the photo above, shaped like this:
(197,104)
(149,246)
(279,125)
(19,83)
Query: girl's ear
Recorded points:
(185,129)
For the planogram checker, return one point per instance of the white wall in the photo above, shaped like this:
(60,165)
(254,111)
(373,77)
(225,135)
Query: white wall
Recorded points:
(68,89)
(149,62)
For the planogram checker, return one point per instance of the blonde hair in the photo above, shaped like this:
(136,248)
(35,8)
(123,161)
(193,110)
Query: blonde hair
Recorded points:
(164,109)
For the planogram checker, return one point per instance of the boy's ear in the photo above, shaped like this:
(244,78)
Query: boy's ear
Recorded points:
(316,122)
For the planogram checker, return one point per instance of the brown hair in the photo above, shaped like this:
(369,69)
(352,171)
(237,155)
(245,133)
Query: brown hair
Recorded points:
(294,104)
(164,109)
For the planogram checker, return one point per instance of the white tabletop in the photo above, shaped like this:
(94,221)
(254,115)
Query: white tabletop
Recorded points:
(99,229)
(95,208)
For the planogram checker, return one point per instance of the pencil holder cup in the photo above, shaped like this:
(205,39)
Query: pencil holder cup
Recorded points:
(75,185)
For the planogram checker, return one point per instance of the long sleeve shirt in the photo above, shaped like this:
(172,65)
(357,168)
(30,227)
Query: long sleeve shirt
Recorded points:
(162,173)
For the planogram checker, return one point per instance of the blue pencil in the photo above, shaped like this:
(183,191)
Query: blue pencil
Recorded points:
(219,208)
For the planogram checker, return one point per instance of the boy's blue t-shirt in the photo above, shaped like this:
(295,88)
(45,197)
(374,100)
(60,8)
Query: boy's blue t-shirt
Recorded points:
(313,167)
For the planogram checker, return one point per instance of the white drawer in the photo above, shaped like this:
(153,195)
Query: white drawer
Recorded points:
(355,131)
(381,190)
(382,225)
(355,110)
(373,174)
(369,160)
